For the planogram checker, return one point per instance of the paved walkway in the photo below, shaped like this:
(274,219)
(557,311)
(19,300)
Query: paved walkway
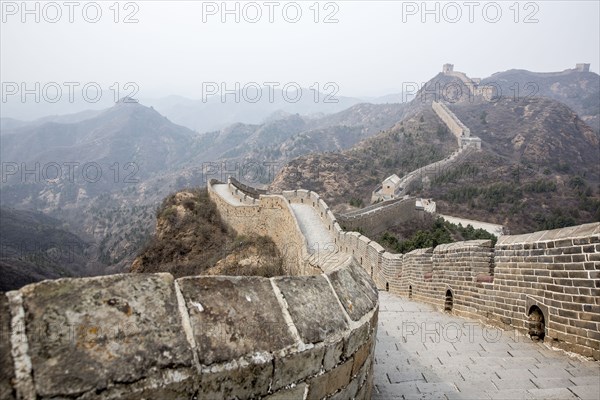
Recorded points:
(425,354)
(494,229)
(313,228)
(223,190)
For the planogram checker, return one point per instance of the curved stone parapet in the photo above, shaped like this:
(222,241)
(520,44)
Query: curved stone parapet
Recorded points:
(310,335)
(137,336)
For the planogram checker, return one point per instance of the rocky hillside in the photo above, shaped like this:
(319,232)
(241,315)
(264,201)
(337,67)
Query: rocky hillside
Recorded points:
(353,174)
(538,168)
(536,131)
(191,239)
(35,247)
(578,90)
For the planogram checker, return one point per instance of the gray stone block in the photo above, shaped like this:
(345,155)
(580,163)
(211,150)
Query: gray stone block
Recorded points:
(313,307)
(357,338)
(355,289)
(7,372)
(330,382)
(333,353)
(243,380)
(295,393)
(85,334)
(168,385)
(552,394)
(297,366)
(587,392)
(508,394)
(234,316)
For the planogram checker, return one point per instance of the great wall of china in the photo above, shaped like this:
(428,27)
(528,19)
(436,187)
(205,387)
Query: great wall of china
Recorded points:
(465,141)
(309,335)
(550,276)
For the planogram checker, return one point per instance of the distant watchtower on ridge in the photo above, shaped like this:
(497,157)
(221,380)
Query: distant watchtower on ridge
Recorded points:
(448,68)
(582,67)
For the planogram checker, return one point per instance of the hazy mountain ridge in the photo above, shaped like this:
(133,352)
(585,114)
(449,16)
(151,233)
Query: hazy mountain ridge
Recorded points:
(539,160)
(577,89)
(249,107)
(143,157)
(523,136)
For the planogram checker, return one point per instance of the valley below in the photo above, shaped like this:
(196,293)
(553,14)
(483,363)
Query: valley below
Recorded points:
(101,177)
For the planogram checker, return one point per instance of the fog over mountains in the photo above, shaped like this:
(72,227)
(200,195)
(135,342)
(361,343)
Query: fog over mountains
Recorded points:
(99,175)
(251,105)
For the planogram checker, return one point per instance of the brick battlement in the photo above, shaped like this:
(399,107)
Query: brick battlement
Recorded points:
(310,334)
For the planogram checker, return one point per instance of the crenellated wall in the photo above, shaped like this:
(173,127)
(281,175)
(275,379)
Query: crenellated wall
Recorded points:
(310,335)
(555,271)
(457,128)
(455,125)
(272,215)
(378,218)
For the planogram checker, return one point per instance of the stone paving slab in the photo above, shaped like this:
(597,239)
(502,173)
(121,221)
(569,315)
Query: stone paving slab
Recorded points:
(318,238)
(552,394)
(587,392)
(455,360)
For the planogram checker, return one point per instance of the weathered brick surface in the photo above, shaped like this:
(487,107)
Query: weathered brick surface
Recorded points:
(297,366)
(85,334)
(295,393)
(234,316)
(355,290)
(331,381)
(242,381)
(313,307)
(378,221)
(7,372)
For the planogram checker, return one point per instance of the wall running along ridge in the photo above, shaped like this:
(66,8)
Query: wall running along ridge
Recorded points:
(310,335)
(556,272)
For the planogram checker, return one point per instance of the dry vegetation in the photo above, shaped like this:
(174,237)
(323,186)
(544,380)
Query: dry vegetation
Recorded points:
(192,239)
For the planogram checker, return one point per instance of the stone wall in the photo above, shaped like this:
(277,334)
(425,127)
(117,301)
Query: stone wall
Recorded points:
(270,215)
(249,190)
(377,218)
(149,336)
(557,272)
(310,335)
(457,128)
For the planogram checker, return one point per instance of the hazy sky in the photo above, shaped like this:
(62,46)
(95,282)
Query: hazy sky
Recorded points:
(369,48)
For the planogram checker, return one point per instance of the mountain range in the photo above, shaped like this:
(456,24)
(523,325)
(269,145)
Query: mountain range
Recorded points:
(101,174)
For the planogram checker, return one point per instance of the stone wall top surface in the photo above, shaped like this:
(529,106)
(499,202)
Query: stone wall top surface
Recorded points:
(355,289)
(442,248)
(313,307)
(234,316)
(419,252)
(87,333)
(555,234)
